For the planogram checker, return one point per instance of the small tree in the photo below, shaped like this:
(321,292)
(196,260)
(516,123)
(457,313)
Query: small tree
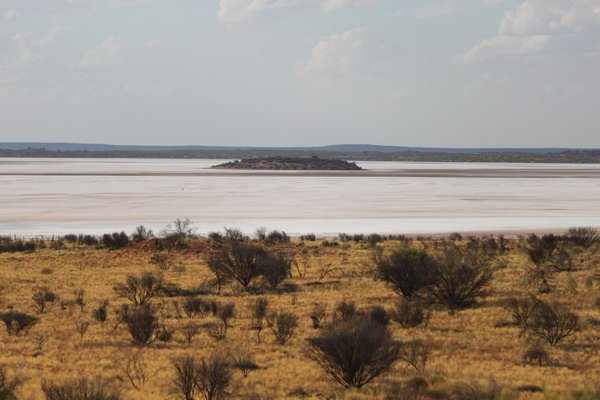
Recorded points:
(18,322)
(552,322)
(140,289)
(186,369)
(178,232)
(283,325)
(460,276)
(259,314)
(42,298)
(239,260)
(406,270)
(584,236)
(213,377)
(355,351)
(410,313)
(275,268)
(141,323)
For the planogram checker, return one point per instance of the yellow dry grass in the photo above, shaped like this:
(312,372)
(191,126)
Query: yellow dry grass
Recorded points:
(468,346)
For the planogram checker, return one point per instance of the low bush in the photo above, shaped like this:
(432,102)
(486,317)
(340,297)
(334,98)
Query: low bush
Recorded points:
(81,389)
(18,322)
(141,323)
(115,240)
(43,298)
(283,325)
(552,322)
(583,236)
(406,271)
(140,289)
(355,351)
(411,313)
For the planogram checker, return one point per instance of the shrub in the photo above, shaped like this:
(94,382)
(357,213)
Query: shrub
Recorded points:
(18,322)
(407,271)
(190,330)
(379,314)
(583,236)
(42,298)
(259,313)
(410,313)
(416,353)
(520,310)
(81,389)
(114,241)
(193,306)
(318,314)
(243,361)
(186,369)
(140,289)
(276,236)
(536,354)
(141,323)
(177,233)
(460,276)
(7,385)
(354,351)
(309,237)
(213,377)
(162,261)
(275,268)
(345,310)
(101,312)
(141,234)
(240,261)
(283,325)
(552,322)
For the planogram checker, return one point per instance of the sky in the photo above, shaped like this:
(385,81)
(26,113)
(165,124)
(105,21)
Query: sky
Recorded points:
(436,73)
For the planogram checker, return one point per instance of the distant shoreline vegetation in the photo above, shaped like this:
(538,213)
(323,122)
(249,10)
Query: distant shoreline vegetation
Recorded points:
(504,156)
(290,163)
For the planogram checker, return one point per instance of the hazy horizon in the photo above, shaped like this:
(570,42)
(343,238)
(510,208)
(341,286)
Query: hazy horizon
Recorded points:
(289,73)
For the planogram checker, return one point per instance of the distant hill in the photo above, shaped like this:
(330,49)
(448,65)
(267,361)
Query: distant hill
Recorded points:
(337,148)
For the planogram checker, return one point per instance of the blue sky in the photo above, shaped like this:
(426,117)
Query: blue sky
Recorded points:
(457,73)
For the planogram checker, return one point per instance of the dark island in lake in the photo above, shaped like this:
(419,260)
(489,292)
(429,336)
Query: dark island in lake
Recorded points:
(290,163)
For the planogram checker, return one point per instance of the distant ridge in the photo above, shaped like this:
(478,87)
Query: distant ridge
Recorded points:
(345,148)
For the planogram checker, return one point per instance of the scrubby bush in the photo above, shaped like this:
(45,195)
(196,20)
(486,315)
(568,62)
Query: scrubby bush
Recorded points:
(18,322)
(353,352)
(7,385)
(309,237)
(210,377)
(243,361)
(260,311)
(459,278)
(10,245)
(177,233)
(283,324)
(520,310)
(115,240)
(240,261)
(141,323)
(379,314)
(100,313)
(141,234)
(406,270)
(552,322)
(318,314)
(410,313)
(162,261)
(140,289)
(537,355)
(584,236)
(81,389)
(193,306)
(275,268)
(416,353)
(345,310)
(42,298)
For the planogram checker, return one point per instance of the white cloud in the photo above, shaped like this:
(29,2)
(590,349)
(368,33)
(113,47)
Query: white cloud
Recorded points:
(547,27)
(11,14)
(104,56)
(238,12)
(28,47)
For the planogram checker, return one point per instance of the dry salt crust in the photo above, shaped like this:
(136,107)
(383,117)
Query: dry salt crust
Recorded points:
(57,196)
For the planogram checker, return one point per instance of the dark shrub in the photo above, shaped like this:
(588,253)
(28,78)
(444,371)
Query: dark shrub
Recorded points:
(177,233)
(552,322)
(193,306)
(345,310)
(407,271)
(81,389)
(309,237)
(140,289)
(275,268)
(536,355)
(318,314)
(283,325)
(184,382)
(520,310)
(276,236)
(259,314)
(114,241)
(416,353)
(243,361)
(141,322)
(379,314)
(410,313)
(190,330)
(162,261)
(101,312)
(583,236)
(42,298)
(141,234)
(213,377)
(240,261)
(18,322)
(87,240)
(460,276)
(354,351)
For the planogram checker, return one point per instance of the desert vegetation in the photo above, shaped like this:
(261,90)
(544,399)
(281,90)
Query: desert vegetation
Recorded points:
(174,315)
